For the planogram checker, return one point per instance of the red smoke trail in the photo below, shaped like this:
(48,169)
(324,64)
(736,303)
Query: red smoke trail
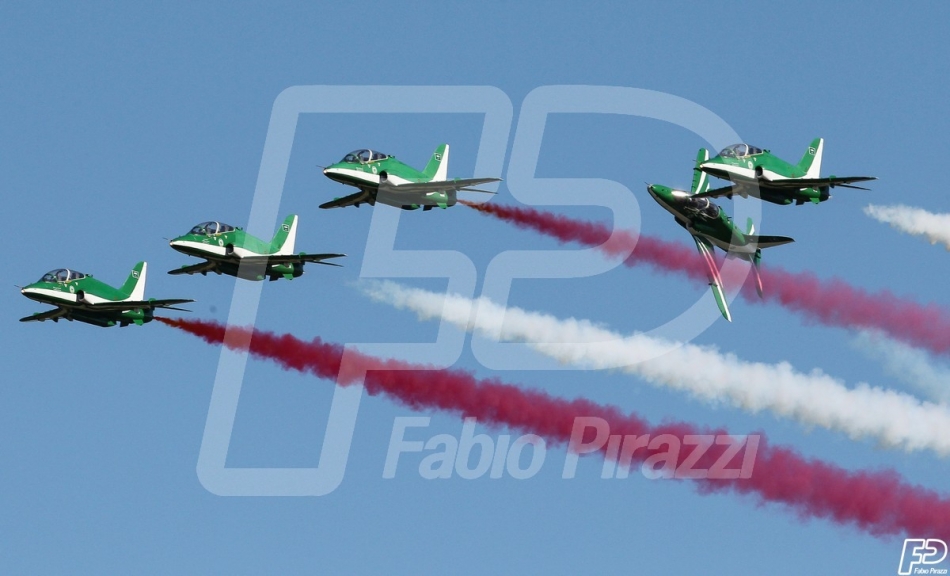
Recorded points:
(877,502)
(830,302)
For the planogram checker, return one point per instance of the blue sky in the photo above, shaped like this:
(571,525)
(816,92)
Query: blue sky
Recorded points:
(124,125)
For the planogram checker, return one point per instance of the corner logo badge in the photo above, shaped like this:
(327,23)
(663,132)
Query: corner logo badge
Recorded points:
(924,552)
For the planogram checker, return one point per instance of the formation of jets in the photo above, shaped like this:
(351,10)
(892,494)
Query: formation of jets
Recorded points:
(226,249)
(380,178)
(753,172)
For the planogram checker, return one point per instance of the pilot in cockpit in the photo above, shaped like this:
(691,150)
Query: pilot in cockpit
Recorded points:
(364,156)
(61,275)
(703,206)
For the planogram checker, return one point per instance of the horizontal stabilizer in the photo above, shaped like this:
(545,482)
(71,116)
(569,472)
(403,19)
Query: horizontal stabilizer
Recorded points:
(150,304)
(768,241)
(850,186)
(831,182)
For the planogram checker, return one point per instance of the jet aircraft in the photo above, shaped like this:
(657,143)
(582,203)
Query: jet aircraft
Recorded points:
(382,178)
(711,227)
(756,172)
(81,297)
(232,251)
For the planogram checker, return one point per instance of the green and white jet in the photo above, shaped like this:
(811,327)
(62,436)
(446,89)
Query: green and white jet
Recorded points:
(711,227)
(81,297)
(756,172)
(382,178)
(232,251)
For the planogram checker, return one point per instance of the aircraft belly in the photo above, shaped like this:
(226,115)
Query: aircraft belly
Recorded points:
(247,271)
(397,180)
(93,299)
(730,172)
(399,199)
(101,319)
(773,176)
(244,252)
(46,295)
(199,248)
(352,177)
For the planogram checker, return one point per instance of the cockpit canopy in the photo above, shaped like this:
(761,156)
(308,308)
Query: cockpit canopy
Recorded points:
(62,275)
(739,150)
(211,228)
(702,206)
(364,156)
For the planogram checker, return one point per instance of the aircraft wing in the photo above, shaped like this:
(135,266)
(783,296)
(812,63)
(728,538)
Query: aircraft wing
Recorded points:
(726,191)
(133,304)
(291,259)
(53,314)
(458,184)
(205,266)
(355,199)
(715,281)
(831,181)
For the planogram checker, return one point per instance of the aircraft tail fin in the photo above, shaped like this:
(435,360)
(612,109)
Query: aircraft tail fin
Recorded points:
(756,260)
(811,161)
(134,287)
(700,178)
(438,167)
(286,237)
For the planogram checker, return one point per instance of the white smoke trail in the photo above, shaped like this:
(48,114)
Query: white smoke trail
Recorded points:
(816,399)
(935,227)
(908,364)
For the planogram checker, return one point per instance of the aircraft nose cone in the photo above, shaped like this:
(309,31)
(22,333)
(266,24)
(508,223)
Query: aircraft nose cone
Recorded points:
(660,193)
